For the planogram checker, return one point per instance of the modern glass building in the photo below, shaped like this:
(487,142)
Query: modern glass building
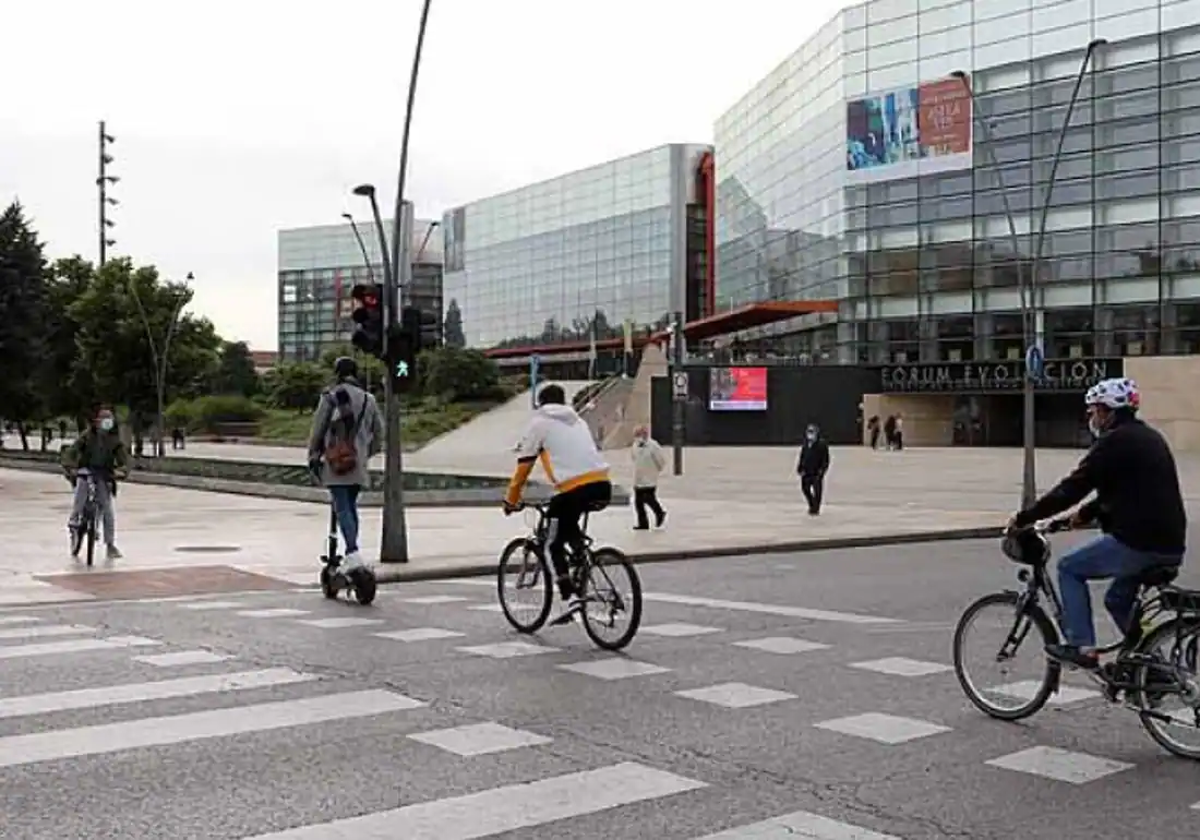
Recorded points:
(558,267)
(319,266)
(897,164)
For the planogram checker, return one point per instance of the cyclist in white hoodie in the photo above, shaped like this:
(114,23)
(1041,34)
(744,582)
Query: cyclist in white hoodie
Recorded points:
(560,440)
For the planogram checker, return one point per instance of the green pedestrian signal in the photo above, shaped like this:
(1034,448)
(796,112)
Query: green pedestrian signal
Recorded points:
(402,370)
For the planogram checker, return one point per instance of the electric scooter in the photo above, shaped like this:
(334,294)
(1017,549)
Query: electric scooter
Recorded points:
(360,581)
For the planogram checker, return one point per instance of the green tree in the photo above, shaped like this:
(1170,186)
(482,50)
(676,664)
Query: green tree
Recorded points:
(116,316)
(452,327)
(297,385)
(457,375)
(22,319)
(371,371)
(68,280)
(235,370)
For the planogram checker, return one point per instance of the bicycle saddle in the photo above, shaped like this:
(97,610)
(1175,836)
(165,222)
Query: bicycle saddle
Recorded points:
(1158,576)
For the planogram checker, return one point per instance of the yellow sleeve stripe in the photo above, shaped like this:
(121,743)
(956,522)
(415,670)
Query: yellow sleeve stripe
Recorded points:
(517,483)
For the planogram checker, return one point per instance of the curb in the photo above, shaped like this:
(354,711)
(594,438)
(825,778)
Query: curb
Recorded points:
(397,573)
(472,498)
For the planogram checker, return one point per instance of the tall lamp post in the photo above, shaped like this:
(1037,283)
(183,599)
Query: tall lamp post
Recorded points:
(159,359)
(1030,299)
(103,182)
(395,534)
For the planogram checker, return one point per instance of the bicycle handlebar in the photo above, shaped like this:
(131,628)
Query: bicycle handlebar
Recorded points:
(1053,526)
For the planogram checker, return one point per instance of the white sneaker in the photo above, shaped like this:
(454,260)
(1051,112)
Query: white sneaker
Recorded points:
(574,605)
(351,561)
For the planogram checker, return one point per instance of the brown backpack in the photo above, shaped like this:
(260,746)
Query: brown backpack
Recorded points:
(342,454)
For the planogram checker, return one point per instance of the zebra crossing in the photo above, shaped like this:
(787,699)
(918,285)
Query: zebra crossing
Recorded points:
(71,690)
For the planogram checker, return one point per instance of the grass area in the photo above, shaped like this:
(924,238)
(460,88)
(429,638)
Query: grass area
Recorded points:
(422,422)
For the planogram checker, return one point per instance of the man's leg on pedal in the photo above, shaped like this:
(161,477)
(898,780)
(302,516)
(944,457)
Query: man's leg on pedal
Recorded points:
(345,504)
(108,519)
(1098,559)
(562,529)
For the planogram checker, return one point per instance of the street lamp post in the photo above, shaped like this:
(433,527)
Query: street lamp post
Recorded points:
(160,360)
(1030,302)
(394,540)
(103,182)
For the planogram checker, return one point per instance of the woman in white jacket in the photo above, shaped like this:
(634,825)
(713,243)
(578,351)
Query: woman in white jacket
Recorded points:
(648,462)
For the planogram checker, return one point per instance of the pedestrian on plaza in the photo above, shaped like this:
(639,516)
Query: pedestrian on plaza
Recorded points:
(648,462)
(898,433)
(889,432)
(873,428)
(811,466)
(347,431)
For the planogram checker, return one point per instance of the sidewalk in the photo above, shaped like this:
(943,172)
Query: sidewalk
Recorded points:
(231,543)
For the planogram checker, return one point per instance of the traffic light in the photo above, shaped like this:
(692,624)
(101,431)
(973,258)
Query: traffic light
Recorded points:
(416,331)
(368,318)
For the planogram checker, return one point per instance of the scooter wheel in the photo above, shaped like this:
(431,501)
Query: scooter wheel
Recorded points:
(364,586)
(327,586)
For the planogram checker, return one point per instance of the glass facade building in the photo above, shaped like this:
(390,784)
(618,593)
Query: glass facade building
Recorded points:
(899,161)
(565,261)
(319,266)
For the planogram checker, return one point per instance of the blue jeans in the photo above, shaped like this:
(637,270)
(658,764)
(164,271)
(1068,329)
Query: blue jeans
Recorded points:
(1100,559)
(345,505)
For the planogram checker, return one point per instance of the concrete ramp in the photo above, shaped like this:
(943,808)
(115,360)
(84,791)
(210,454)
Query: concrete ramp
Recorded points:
(485,440)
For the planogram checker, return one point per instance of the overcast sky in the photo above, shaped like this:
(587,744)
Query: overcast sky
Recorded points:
(234,119)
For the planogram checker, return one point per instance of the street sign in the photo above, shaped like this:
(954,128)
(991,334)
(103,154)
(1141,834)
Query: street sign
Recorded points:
(680,381)
(1035,362)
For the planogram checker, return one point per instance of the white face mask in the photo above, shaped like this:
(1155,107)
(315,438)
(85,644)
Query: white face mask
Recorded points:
(106,424)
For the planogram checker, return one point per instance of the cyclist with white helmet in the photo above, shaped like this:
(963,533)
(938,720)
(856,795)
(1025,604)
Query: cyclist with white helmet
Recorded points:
(1138,506)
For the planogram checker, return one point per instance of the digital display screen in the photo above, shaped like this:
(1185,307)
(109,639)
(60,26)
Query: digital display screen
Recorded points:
(737,389)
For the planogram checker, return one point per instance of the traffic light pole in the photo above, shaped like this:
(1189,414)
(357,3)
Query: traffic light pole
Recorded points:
(394,548)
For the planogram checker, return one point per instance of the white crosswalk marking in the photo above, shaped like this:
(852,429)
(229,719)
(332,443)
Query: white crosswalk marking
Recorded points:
(153,732)
(74,646)
(502,809)
(800,824)
(44,631)
(18,619)
(84,698)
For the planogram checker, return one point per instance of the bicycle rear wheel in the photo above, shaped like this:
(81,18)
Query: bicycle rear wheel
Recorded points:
(606,602)
(1166,675)
(1005,696)
(523,562)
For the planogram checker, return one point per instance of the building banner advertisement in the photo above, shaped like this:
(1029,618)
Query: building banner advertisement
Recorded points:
(977,377)
(908,132)
(737,389)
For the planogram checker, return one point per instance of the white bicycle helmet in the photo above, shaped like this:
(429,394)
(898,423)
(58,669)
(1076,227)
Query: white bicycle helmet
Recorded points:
(1114,394)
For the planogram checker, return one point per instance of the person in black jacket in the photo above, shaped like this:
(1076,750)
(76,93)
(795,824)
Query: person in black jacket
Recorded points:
(1138,506)
(811,467)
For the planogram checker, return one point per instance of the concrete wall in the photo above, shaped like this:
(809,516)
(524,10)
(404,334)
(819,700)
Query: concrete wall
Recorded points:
(928,418)
(1170,387)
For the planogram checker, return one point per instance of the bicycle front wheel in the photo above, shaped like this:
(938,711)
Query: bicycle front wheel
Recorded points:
(612,599)
(995,633)
(90,524)
(525,585)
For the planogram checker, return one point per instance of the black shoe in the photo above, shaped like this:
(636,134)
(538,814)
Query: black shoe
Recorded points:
(660,519)
(1072,655)
(641,527)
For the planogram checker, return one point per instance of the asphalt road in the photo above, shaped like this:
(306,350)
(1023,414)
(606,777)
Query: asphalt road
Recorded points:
(196,720)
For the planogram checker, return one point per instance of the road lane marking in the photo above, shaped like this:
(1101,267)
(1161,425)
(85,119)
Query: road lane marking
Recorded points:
(886,729)
(1061,765)
(799,824)
(87,698)
(504,809)
(767,609)
(479,739)
(177,729)
(182,657)
(74,646)
(44,631)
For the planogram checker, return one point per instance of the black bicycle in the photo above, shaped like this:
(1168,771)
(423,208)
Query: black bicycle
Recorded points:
(1155,662)
(85,528)
(592,574)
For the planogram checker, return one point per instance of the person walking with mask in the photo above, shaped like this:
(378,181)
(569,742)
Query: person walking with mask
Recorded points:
(97,452)
(347,431)
(648,462)
(811,466)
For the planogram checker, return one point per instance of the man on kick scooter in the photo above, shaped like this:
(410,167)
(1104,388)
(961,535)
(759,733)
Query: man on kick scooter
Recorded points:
(347,431)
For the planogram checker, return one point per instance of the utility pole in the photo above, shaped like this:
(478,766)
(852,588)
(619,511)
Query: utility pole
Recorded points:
(679,395)
(103,180)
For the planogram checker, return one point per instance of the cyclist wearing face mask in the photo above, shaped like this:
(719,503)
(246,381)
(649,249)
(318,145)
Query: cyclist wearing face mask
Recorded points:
(1138,506)
(99,452)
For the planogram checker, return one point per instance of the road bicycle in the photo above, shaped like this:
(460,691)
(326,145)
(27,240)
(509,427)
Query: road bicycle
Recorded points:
(592,572)
(1155,661)
(85,528)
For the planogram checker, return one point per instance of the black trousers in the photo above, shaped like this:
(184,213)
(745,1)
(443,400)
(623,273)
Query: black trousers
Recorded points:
(562,520)
(813,488)
(647,497)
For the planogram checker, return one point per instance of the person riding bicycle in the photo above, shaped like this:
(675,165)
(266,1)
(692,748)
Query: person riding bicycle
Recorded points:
(1138,505)
(100,453)
(559,438)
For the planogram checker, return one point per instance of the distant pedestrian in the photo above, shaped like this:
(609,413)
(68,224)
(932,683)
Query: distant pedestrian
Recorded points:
(648,462)
(177,439)
(889,431)
(898,433)
(811,466)
(873,428)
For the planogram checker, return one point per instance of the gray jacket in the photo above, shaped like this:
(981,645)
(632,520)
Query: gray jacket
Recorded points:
(368,441)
